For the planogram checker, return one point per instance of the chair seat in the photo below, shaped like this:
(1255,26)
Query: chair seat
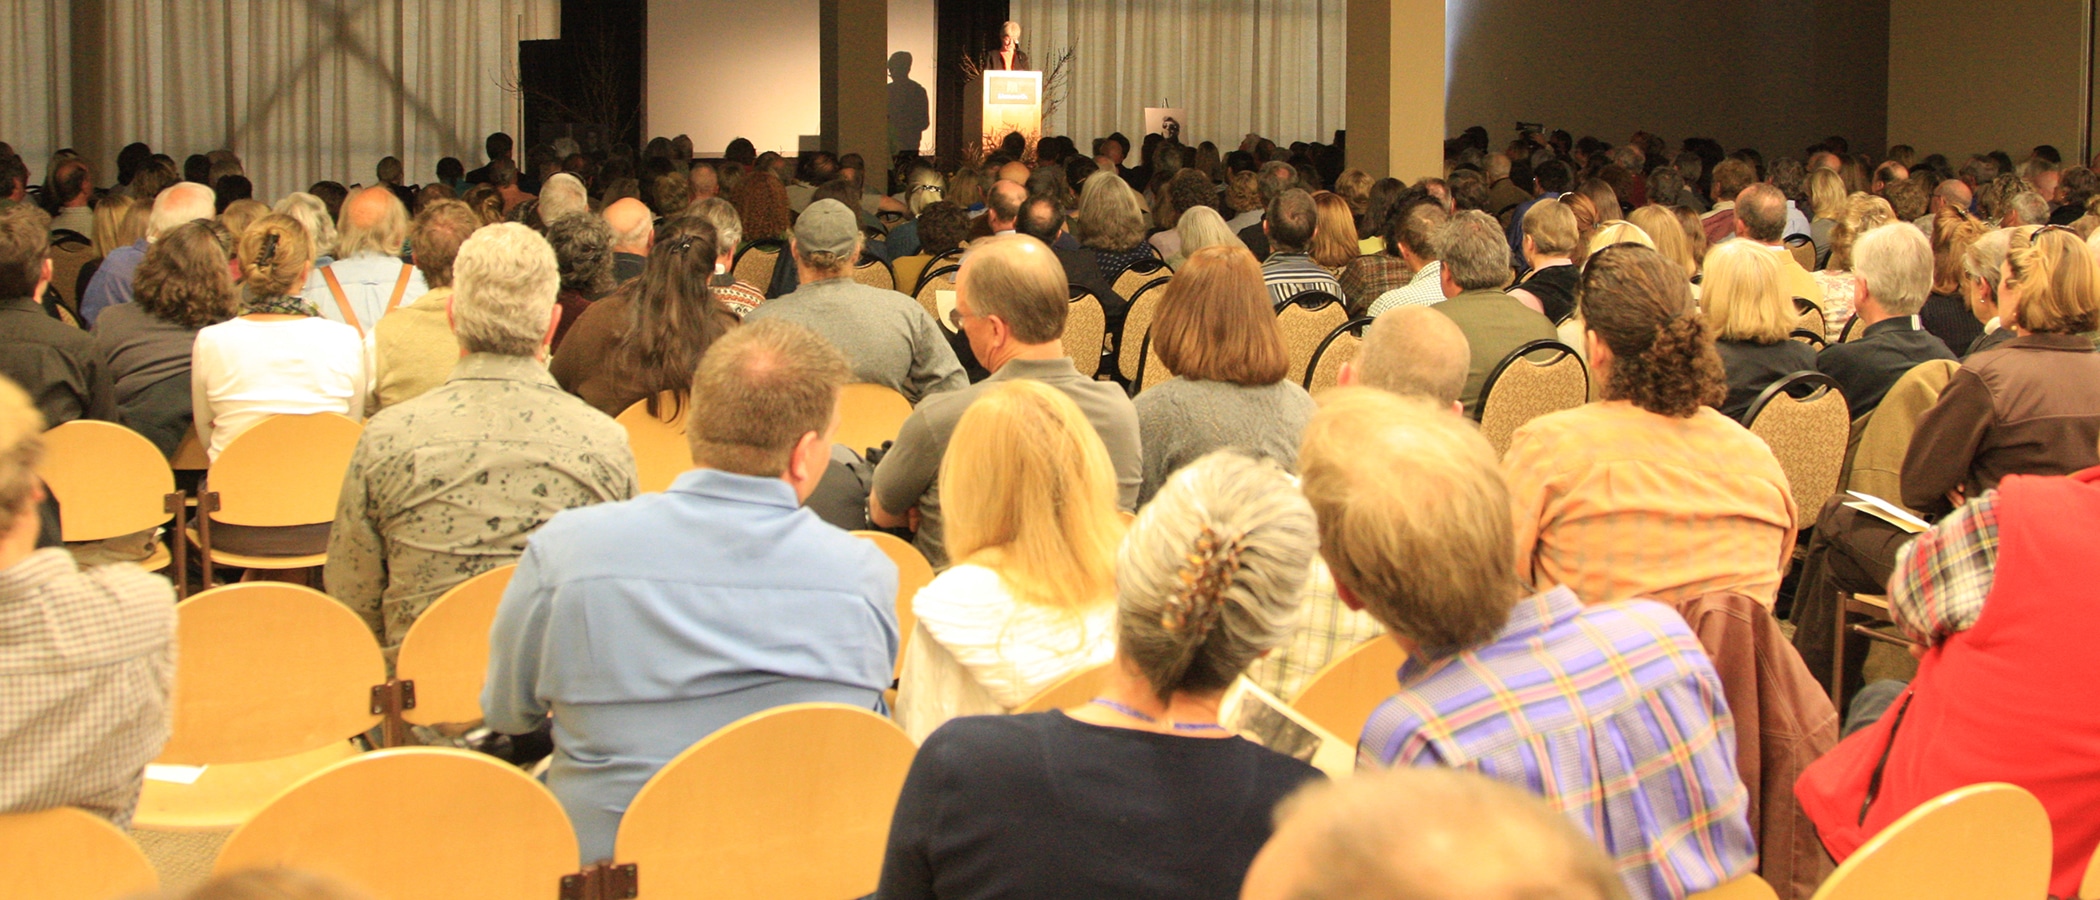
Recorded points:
(227,795)
(245,561)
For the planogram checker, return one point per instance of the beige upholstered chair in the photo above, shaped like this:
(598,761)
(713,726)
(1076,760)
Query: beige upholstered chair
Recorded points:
(1305,327)
(1538,378)
(755,263)
(1085,328)
(1339,349)
(1137,322)
(1807,435)
(937,278)
(876,273)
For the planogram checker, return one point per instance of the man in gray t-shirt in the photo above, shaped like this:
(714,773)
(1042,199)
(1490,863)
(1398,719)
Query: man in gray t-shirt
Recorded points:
(1011,300)
(888,338)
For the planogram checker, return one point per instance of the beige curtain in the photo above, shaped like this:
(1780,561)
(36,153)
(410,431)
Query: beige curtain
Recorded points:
(38,110)
(303,90)
(1273,67)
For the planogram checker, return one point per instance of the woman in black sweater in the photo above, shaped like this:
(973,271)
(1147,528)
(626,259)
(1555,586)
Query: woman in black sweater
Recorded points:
(1751,317)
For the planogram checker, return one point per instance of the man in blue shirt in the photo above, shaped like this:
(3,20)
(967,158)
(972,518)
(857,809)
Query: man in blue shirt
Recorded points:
(178,205)
(641,627)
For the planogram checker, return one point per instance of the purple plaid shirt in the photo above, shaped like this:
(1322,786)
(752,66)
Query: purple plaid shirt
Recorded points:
(1611,712)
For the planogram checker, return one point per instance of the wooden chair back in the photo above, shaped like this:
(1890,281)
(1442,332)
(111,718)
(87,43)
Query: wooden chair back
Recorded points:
(661,452)
(1982,842)
(868,415)
(68,853)
(415,823)
(446,652)
(1807,434)
(791,802)
(1137,321)
(109,480)
(1533,380)
(189,454)
(1339,349)
(937,278)
(913,573)
(286,470)
(1069,691)
(876,273)
(755,263)
(1306,327)
(1748,887)
(1086,326)
(268,670)
(2088,887)
(1341,697)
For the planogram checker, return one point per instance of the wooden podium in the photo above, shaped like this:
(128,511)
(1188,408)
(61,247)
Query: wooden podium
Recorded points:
(1013,102)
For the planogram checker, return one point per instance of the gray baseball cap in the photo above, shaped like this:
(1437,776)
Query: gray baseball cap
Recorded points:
(827,226)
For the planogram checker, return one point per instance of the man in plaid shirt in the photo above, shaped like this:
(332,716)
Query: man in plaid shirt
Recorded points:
(1611,712)
(86,657)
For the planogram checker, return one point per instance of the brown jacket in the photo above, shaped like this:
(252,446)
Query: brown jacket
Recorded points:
(1783,722)
(2031,406)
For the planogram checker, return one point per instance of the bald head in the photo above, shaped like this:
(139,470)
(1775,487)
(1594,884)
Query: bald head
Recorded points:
(1760,210)
(705,182)
(1467,838)
(1004,204)
(633,226)
(1015,172)
(180,205)
(1413,351)
(374,222)
(1952,192)
(1017,279)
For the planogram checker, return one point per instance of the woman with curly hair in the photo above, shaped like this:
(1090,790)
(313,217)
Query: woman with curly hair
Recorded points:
(1863,213)
(182,285)
(762,203)
(1650,492)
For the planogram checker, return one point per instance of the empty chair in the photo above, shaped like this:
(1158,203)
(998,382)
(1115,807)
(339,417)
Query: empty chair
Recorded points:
(754,264)
(1807,433)
(1073,690)
(1137,322)
(67,853)
(271,681)
(1342,696)
(445,654)
(1535,379)
(1306,322)
(870,414)
(284,472)
(109,482)
(1339,349)
(1085,328)
(661,452)
(793,802)
(1981,842)
(415,823)
(913,573)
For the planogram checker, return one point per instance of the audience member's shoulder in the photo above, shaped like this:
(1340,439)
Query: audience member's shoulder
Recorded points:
(1645,617)
(986,746)
(118,607)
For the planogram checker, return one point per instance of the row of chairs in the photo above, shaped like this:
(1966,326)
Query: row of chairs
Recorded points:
(111,482)
(869,416)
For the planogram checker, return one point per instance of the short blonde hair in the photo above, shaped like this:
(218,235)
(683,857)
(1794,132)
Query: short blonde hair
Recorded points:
(1334,241)
(1864,212)
(1211,575)
(1741,295)
(1618,231)
(275,256)
(21,449)
(1826,194)
(1029,492)
(504,281)
(1414,516)
(1551,227)
(1660,224)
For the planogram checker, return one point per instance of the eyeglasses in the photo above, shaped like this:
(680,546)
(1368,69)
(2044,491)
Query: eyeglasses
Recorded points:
(956,317)
(2028,240)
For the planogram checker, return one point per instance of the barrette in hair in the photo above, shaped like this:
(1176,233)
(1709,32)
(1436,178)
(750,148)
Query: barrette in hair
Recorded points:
(268,251)
(1199,595)
(683,245)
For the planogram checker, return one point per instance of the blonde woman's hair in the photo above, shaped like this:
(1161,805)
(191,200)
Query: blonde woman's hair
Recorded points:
(1204,227)
(1029,492)
(112,213)
(1864,212)
(1211,575)
(1826,194)
(1617,231)
(1334,241)
(1111,215)
(312,212)
(1660,223)
(275,255)
(1742,298)
(1551,226)
(2054,278)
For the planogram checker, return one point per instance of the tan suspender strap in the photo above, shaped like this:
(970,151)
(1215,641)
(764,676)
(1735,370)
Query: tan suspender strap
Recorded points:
(342,301)
(400,289)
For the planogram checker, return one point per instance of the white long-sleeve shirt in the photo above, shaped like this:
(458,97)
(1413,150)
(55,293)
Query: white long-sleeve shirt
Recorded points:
(977,651)
(243,371)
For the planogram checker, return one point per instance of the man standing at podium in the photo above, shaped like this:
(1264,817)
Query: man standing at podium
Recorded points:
(1009,56)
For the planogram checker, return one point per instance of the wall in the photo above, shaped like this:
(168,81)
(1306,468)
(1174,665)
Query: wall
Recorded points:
(1964,78)
(723,69)
(1774,75)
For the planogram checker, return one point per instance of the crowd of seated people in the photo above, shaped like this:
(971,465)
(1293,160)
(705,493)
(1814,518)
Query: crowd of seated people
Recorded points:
(489,325)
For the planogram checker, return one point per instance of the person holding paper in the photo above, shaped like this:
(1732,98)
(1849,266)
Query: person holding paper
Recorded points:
(1532,689)
(1141,792)
(2029,406)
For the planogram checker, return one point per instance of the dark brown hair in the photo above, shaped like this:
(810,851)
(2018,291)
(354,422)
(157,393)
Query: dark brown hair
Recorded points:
(673,316)
(1216,322)
(1638,303)
(184,280)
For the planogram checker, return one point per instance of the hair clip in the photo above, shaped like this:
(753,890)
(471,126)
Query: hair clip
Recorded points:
(684,244)
(268,251)
(1199,594)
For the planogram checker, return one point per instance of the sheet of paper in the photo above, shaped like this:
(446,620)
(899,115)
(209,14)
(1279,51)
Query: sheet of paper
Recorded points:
(174,774)
(945,302)
(1887,512)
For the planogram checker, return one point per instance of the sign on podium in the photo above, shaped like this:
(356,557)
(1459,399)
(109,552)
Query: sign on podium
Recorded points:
(1013,101)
